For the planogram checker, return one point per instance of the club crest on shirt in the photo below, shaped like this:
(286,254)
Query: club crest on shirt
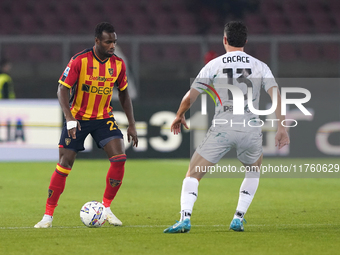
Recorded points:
(110,71)
(114,183)
(67,141)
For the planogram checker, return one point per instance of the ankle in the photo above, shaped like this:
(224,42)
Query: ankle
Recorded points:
(47,217)
(185,214)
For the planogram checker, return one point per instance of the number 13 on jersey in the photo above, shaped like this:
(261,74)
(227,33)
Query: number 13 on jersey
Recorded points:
(244,73)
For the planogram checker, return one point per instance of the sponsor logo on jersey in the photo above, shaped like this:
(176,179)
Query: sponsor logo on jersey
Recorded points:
(86,88)
(99,78)
(97,90)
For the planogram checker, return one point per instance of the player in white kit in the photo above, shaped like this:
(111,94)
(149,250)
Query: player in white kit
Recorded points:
(231,74)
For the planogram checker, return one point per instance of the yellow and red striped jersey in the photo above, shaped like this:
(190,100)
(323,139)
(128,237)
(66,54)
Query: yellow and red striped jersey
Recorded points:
(92,81)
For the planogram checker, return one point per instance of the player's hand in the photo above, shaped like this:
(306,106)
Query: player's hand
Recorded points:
(132,134)
(176,124)
(72,131)
(281,138)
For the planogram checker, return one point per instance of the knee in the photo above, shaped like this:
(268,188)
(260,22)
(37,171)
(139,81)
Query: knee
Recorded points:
(66,162)
(66,157)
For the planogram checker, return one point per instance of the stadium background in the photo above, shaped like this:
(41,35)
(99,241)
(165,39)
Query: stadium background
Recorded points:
(165,44)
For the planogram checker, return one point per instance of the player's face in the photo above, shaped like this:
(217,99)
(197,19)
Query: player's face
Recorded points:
(105,45)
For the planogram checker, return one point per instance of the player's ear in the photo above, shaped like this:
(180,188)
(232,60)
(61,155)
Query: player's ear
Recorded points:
(97,40)
(225,42)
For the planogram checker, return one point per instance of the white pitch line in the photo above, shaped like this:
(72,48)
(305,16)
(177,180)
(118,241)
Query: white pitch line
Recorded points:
(164,226)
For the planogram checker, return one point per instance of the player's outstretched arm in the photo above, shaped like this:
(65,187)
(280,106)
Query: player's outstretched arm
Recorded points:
(281,137)
(188,99)
(63,94)
(126,103)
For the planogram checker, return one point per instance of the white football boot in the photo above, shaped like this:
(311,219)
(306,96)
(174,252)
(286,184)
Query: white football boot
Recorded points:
(111,218)
(46,222)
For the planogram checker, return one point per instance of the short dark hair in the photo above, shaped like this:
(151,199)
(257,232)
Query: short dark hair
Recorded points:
(236,32)
(103,26)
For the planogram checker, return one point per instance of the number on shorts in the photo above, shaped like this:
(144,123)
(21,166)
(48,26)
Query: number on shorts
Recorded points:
(113,125)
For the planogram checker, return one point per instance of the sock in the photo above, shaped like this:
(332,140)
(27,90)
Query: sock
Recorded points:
(188,197)
(47,218)
(247,192)
(57,186)
(114,178)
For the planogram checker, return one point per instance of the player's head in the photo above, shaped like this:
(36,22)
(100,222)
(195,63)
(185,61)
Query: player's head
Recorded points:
(5,65)
(236,33)
(105,39)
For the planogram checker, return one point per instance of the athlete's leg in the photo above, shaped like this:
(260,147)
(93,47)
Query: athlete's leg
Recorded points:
(189,193)
(198,161)
(57,185)
(190,184)
(247,192)
(116,153)
(213,147)
(58,179)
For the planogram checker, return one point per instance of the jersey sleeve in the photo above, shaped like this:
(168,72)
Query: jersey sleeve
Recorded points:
(268,79)
(203,77)
(71,73)
(122,78)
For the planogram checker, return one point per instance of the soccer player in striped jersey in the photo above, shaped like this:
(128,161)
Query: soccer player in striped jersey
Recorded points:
(242,71)
(84,92)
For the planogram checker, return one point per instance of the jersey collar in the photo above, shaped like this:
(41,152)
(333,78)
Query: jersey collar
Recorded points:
(96,57)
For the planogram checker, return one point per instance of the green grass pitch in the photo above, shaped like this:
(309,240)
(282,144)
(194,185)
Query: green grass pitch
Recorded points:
(287,216)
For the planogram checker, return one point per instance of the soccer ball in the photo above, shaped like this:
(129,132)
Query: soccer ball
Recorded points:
(93,214)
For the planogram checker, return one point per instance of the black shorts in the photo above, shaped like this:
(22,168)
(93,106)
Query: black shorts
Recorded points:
(102,132)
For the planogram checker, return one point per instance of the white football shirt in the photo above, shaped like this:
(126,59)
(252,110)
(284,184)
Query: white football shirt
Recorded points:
(241,70)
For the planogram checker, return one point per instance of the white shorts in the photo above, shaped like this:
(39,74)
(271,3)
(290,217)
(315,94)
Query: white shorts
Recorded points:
(216,144)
